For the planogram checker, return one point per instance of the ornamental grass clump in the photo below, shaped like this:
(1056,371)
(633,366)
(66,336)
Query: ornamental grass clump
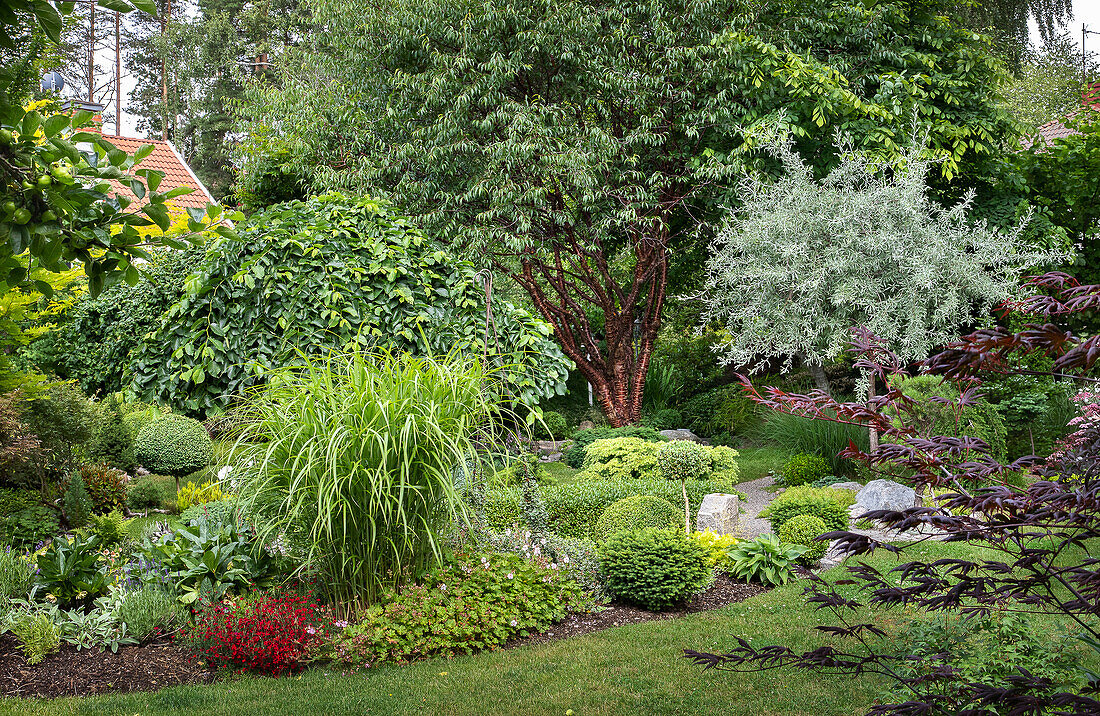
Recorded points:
(683,460)
(354,456)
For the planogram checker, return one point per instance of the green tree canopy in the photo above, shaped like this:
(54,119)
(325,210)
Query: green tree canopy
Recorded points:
(575,146)
(331,273)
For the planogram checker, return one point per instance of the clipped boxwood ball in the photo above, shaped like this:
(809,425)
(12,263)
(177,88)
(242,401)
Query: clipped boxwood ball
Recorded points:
(173,445)
(635,513)
(654,568)
(804,530)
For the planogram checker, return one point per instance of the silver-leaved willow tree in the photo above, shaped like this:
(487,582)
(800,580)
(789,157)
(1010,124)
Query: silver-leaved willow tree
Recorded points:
(804,261)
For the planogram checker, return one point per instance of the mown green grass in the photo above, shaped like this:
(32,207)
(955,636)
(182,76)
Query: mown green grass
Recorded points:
(636,669)
(756,462)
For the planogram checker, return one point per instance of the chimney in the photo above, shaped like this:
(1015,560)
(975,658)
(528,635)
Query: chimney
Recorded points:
(74,105)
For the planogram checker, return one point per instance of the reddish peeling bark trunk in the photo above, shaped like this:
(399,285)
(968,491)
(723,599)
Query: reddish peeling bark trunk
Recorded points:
(573,276)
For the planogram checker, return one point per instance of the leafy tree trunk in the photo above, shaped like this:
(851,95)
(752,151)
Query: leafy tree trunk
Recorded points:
(573,276)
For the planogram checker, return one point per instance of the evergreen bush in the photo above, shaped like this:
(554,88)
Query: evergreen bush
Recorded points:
(830,505)
(803,530)
(802,469)
(654,568)
(635,513)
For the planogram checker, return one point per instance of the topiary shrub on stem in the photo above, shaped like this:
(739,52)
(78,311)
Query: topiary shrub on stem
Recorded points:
(174,445)
(683,460)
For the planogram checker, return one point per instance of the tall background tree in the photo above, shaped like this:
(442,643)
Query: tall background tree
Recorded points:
(579,147)
(191,64)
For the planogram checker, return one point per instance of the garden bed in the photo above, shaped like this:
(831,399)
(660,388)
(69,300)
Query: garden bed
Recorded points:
(81,673)
(156,666)
(723,592)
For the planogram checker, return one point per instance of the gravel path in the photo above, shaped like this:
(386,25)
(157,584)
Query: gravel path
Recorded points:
(756,499)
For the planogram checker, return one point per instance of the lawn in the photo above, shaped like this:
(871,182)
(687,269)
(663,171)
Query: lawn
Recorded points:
(756,462)
(635,669)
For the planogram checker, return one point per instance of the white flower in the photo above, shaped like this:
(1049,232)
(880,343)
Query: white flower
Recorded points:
(553,565)
(508,532)
(537,552)
(442,587)
(514,622)
(565,558)
(542,541)
(510,575)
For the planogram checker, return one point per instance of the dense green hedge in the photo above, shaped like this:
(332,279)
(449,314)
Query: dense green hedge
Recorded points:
(635,513)
(574,509)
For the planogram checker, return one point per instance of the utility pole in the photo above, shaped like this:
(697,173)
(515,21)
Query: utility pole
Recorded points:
(1085,32)
(118,75)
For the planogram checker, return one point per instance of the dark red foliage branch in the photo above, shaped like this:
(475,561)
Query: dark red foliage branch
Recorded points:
(1041,531)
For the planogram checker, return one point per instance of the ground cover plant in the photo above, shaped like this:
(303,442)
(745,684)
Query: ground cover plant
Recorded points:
(1038,531)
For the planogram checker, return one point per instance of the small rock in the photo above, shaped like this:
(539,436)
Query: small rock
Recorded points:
(885,495)
(683,435)
(853,486)
(718,512)
(553,457)
(586,425)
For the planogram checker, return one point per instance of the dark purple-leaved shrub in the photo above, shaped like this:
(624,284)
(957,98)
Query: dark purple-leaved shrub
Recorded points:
(1040,529)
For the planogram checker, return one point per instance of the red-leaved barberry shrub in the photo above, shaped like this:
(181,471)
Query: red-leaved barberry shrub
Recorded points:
(274,634)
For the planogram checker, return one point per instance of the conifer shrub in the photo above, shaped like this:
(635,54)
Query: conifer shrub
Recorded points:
(654,568)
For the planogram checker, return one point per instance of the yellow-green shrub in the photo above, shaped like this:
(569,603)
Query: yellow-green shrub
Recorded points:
(190,494)
(716,547)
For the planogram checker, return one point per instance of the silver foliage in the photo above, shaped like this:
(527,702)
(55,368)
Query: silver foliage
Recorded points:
(804,261)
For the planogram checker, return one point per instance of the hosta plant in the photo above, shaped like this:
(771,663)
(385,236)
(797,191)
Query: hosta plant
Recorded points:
(765,560)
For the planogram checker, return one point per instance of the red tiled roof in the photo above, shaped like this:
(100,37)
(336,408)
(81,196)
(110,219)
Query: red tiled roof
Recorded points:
(1057,129)
(163,158)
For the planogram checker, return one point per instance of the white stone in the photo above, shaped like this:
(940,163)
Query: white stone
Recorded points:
(885,495)
(853,486)
(718,512)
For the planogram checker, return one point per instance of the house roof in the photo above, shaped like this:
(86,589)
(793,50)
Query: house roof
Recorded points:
(1057,129)
(165,158)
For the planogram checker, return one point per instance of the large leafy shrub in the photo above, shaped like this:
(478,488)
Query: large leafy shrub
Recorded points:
(574,456)
(721,410)
(331,273)
(29,526)
(477,602)
(93,346)
(553,425)
(804,530)
(63,419)
(654,568)
(174,445)
(72,571)
(824,502)
(355,456)
(635,513)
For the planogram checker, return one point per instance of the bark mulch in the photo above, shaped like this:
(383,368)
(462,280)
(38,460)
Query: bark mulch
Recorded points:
(81,673)
(724,591)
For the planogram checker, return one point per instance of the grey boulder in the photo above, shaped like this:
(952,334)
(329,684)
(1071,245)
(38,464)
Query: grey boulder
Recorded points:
(885,495)
(682,435)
